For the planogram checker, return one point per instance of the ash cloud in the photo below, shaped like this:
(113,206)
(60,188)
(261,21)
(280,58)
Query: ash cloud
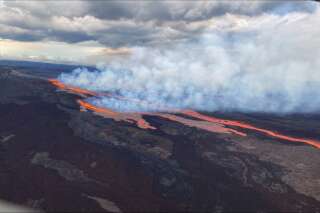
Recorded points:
(267,64)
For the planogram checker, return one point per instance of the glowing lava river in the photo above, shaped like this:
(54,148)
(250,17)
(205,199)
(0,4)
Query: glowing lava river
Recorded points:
(205,122)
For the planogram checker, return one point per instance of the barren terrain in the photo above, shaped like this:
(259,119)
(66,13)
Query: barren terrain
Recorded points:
(56,157)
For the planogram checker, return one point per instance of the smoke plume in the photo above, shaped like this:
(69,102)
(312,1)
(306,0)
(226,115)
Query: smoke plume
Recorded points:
(264,64)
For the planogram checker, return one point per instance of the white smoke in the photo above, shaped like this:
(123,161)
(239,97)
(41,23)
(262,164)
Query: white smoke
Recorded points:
(265,64)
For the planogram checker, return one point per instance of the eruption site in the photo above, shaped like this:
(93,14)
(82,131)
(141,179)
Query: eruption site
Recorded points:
(205,122)
(117,116)
(71,89)
(242,125)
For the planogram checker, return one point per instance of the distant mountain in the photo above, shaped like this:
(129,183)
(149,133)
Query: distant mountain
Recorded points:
(41,68)
(33,64)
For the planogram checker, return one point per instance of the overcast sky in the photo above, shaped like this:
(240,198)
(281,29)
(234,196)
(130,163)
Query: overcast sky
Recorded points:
(91,31)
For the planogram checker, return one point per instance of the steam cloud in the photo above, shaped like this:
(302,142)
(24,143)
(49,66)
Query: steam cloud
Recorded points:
(273,66)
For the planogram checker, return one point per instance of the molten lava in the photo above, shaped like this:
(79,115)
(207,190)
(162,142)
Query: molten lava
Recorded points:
(97,109)
(194,114)
(117,116)
(204,122)
(72,89)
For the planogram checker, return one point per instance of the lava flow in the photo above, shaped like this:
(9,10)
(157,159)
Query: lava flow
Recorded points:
(204,122)
(194,114)
(117,116)
(72,89)
(128,117)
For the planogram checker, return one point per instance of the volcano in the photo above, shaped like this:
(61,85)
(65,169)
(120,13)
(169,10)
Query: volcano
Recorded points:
(208,123)
(61,152)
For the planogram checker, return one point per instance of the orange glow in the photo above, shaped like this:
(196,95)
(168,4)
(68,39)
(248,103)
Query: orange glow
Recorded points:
(100,110)
(128,117)
(194,114)
(207,123)
(72,89)
(118,116)
(143,124)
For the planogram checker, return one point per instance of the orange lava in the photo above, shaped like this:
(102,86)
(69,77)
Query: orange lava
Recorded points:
(72,89)
(100,110)
(194,114)
(208,123)
(128,117)
(143,124)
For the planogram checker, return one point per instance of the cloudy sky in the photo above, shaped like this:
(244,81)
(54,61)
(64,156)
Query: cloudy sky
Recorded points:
(88,32)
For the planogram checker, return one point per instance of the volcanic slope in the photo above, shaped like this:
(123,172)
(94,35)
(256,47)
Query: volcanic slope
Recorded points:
(55,156)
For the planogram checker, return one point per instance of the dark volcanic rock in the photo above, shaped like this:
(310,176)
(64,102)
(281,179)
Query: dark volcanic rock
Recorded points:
(56,158)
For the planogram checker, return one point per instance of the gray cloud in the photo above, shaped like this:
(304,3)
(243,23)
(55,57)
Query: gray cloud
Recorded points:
(126,23)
